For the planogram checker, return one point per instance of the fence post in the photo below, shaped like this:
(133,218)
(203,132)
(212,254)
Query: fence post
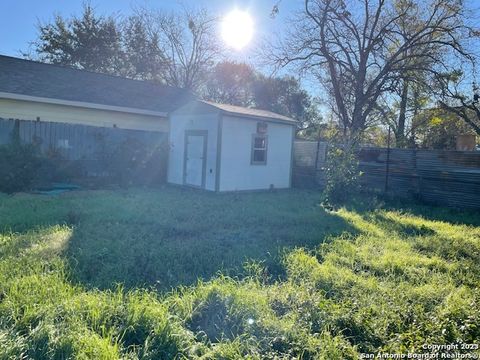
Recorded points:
(15,134)
(316,157)
(387,170)
(416,177)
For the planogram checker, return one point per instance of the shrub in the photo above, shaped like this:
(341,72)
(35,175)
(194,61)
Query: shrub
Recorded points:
(132,162)
(56,167)
(23,167)
(341,174)
(18,167)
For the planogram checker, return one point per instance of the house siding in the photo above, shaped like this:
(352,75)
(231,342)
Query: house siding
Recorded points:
(237,172)
(179,123)
(29,110)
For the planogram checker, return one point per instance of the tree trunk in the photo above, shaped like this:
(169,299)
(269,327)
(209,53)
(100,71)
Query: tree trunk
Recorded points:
(400,133)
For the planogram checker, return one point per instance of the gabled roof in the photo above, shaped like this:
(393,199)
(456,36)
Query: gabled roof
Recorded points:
(240,110)
(202,106)
(34,79)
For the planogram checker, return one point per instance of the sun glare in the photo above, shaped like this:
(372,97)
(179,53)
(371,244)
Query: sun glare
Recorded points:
(237,29)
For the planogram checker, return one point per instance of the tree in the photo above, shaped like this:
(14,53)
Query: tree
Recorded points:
(438,128)
(88,42)
(239,84)
(175,49)
(455,101)
(230,83)
(359,51)
(186,42)
(410,80)
(285,96)
(398,110)
(418,89)
(141,56)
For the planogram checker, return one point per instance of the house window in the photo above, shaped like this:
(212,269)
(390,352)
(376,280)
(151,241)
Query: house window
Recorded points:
(259,149)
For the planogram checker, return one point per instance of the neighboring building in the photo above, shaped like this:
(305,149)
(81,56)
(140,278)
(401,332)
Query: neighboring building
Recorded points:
(31,90)
(440,129)
(466,142)
(84,114)
(228,148)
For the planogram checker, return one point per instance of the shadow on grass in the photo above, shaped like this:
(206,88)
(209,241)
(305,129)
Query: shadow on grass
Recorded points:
(176,239)
(170,237)
(402,228)
(456,216)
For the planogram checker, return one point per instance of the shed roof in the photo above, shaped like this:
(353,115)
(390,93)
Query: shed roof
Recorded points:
(208,106)
(35,79)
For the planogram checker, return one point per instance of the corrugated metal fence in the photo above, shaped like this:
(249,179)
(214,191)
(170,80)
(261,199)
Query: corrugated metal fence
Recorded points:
(442,177)
(88,147)
(308,160)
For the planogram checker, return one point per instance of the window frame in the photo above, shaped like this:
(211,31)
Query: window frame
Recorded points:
(253,149)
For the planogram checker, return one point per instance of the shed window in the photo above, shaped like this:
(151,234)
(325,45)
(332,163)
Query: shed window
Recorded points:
(259,149)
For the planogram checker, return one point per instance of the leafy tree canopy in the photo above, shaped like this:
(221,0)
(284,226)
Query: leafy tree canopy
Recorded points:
(240,84)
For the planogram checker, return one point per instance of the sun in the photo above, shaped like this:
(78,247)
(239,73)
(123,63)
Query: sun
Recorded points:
(237,29)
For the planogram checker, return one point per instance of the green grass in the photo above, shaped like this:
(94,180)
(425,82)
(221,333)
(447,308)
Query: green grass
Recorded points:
(172,237)
(173,273)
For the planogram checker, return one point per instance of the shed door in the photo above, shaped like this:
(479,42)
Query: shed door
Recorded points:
(195,157)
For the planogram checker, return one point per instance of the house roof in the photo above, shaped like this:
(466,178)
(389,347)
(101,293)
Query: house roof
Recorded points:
(240,110)
(200,106)
(34,79)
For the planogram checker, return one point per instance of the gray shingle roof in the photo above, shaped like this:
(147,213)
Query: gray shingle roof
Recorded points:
(25,77)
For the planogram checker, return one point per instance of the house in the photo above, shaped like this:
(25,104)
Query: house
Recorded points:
(30,90)
(222,147)
(211,146)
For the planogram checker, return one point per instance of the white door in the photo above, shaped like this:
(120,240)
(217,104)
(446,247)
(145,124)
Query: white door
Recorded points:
(194,168)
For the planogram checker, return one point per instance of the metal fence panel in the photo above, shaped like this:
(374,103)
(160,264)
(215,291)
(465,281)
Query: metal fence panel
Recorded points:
(443,177)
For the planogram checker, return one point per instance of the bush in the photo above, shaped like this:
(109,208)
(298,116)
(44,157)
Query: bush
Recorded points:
(341,174)
(23,167)
(18,167)
(56,167)
(132,162)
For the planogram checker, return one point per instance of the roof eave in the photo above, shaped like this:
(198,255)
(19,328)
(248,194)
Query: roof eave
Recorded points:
(256,117)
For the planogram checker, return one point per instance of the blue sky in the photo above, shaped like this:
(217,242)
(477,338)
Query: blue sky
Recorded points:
(21,16)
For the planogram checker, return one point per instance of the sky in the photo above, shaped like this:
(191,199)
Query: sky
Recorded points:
(21,16)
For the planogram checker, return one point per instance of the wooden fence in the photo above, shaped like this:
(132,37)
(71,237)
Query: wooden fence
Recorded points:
(441,177)
(87,147)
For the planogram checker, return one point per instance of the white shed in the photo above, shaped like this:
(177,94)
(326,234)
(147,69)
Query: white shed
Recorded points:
(222,147)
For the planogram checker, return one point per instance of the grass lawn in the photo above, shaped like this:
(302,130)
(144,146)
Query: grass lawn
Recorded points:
(174,273)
